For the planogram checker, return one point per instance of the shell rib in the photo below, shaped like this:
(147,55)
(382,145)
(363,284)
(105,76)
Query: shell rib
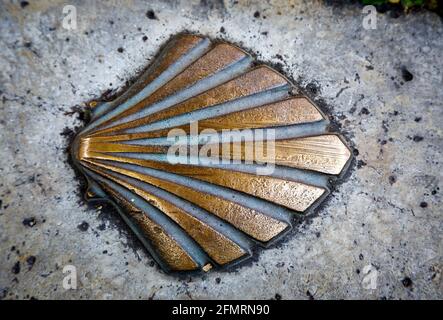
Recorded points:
(211,207)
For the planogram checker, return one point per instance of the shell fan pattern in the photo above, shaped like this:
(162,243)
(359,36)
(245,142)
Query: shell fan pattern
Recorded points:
(193,214)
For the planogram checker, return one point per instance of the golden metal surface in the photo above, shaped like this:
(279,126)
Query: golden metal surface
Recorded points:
(219,247)
(257,80)
(252,222)
(169,250)
(219,57)
(294,110)
(219,208)
(325,153)
(174,50)
(291,194)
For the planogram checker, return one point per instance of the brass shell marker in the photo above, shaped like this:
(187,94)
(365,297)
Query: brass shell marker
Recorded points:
(255,155)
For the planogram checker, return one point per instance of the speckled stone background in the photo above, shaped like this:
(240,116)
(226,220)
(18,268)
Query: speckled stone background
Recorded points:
(383,87)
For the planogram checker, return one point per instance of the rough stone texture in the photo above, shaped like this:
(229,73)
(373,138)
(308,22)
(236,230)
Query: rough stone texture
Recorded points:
(373,218)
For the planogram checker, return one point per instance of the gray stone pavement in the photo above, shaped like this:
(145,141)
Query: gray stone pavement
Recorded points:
(383,87)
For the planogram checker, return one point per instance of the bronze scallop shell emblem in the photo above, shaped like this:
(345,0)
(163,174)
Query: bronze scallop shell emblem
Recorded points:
(194,214)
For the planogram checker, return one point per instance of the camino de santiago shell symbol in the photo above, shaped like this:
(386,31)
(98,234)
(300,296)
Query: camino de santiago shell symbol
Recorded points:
(195,214)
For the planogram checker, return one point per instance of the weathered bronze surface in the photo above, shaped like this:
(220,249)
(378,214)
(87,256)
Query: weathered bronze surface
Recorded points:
(196,215)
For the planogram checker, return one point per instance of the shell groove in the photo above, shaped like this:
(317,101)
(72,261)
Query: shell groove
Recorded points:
(194,212)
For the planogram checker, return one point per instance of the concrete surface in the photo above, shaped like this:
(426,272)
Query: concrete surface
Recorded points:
(386,216)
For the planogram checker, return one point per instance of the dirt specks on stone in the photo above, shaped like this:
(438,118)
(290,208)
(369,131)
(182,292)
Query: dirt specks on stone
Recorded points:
(335,62)
(84,226)
(406,74)
(16,268)
(30,261)
(150,14)
(29,222)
